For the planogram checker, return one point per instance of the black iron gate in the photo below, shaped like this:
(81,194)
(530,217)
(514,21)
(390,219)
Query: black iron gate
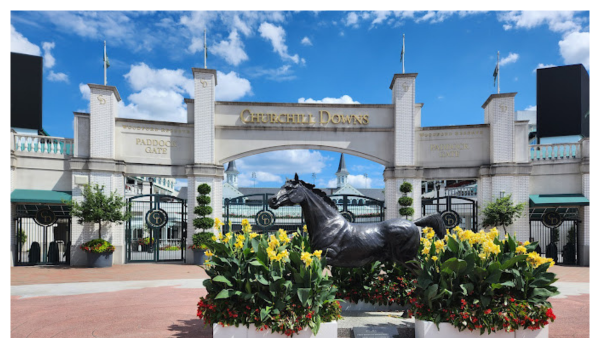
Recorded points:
(156,232)
(42,234)
(456,211)
(556,230)
(255,208)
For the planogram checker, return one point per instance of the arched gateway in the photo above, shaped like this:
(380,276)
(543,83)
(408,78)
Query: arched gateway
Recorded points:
(108,148)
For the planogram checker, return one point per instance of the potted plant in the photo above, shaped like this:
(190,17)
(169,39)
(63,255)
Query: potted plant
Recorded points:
(502,212)
(270,283)
(405,201)
(202,223)
(470,281)
(146,243)
(98,208)
(569,250)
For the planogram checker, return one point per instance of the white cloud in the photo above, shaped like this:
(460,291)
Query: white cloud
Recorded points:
(197,45)
(155,104)
(231,87)
(380,16)
(306,41)
(575,48)
(197,21)
(49,60)
(351,20)
(283,73)
(541,65)
(357,181)
(58,77)
(557,21)
(141,76)
(285,163)
(276,35)
(241,25)
(245,179)
(533,108)
(511,58)
(232,51)
(343,99)
(20,44)
(85,91)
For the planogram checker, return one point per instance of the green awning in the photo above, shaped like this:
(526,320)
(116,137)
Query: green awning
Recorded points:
(39,196)
(555,200)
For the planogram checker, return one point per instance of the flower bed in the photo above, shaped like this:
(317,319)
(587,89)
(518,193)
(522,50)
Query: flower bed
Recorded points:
(97,245)
(274,282)
(383,284)
(477,282)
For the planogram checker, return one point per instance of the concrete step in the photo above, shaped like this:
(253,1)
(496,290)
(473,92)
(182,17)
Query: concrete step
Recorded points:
(375,319)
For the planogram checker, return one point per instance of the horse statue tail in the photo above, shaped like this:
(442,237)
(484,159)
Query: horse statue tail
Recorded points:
(435,222)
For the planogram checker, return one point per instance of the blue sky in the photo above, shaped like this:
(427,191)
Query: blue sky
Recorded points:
(297,56)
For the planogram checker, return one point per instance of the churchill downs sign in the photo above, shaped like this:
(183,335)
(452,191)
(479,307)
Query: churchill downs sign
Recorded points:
(323,117)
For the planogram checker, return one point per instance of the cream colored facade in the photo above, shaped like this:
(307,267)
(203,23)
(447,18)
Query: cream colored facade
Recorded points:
(108,148)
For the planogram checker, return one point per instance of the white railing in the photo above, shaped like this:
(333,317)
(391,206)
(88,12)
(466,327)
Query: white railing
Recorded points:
(42,145)
(559,151)
(462,191)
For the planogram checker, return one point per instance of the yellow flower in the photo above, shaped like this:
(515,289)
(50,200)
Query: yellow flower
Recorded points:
(214,238)
(434,258)
(439,245)
(483,255)
(246,227)
(271,253)
(306,258)
(253,235)
(273,242)
(526,243)
(209,253)
(227,237)
(493,233)
(318,253)
(425,250)
(521,249)
(429,235)
(239,244)
(304,228)
(283,237)
(282,255)
(207,262)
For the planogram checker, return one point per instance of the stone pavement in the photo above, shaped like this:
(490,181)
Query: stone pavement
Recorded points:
(159,300)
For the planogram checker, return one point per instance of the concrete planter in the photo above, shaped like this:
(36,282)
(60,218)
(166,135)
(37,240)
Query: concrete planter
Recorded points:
(327,330)
(427,329)
(99,260)
(199,257)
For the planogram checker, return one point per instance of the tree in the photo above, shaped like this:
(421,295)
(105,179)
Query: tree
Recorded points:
(405,201)
(502,212)
(99,208)
(202,222)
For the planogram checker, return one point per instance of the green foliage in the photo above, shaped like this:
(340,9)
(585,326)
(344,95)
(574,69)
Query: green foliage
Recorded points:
(502,212)
(376,283)
(203,210)
(21,236)
(409,211)
(476,281)
(405,201)
(200,240)
(270,282)
(203,223)
(406,187)
(204,189)
(98,207)
(97,246)
(203,200)
(171,248)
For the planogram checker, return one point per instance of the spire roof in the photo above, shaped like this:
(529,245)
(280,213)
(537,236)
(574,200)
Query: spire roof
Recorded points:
(231,168)
(342,166)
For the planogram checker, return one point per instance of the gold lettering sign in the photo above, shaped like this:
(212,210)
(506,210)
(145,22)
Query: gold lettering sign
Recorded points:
(449,149)
(154,146)
(325,117)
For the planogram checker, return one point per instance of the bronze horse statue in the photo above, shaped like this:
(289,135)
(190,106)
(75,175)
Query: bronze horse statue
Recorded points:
(348,244)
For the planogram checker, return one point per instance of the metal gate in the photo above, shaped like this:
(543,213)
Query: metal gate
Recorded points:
(42,234)
(556,231)
(156,231)
(255,208)
(460,210)
(360,209)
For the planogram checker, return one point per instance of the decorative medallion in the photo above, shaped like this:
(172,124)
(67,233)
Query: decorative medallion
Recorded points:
(101,99)
(156,218)
(45,217)
(204,83)
(405,86)
(265,218)
(552,219)
(349,216)
(451,218)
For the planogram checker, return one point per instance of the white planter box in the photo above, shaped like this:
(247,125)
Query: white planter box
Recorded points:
(327,330)
(427,329)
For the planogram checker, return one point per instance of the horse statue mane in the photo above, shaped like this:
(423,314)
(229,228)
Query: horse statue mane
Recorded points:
(319,193)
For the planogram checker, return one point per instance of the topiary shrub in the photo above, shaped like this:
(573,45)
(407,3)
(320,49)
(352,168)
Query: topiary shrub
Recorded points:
(405,201)
(202,223)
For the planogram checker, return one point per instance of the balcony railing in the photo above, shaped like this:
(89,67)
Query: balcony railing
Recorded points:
(462,191)
(43,145)
(553,152)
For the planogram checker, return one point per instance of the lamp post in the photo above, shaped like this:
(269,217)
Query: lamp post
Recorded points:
(151,180)
(366,179)
(254,178)
(314,176)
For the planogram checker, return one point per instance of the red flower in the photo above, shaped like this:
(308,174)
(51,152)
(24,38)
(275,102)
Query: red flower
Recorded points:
(550,314)
(488,311)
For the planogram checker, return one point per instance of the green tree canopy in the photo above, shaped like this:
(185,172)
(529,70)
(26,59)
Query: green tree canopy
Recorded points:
(98,207)
(502,212)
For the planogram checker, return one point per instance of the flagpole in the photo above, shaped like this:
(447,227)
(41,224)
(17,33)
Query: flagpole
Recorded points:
(498,63)
(205,49)
(104,62)
(402,53)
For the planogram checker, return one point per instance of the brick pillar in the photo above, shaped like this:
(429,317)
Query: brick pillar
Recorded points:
(505,175)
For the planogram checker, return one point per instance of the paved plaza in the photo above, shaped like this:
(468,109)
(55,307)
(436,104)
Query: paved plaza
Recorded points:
(159,300)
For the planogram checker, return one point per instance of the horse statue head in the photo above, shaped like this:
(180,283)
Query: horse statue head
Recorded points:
(295,192)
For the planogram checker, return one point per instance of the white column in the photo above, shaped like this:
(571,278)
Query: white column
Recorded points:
(205,81)
(403,99)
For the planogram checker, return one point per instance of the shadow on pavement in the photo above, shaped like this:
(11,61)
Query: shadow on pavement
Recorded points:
(190,328)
